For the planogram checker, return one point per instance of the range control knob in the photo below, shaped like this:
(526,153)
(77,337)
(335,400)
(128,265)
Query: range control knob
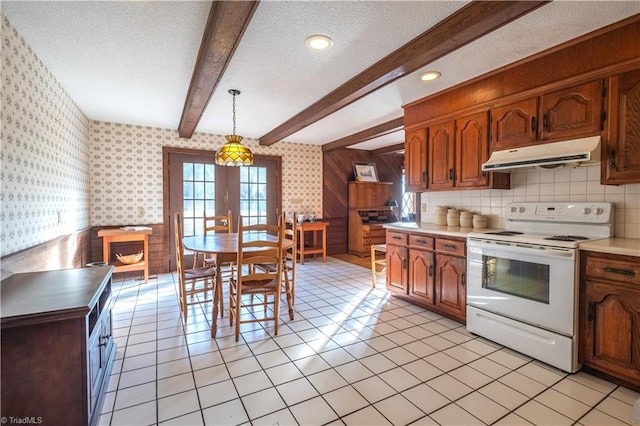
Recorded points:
(521,210)
(513,209)
(586,210)
(599,211)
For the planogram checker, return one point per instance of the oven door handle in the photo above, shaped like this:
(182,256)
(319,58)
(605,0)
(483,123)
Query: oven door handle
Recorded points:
(491,247)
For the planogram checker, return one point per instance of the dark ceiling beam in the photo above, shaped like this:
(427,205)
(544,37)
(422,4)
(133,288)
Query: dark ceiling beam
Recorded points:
(471,22)
(391,149)
(364,135)
(226,23)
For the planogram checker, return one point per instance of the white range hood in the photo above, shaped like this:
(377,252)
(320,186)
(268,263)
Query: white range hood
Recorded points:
(573,152)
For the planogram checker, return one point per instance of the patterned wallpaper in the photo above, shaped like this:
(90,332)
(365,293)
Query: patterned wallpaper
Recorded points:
(126,171)
(44,151)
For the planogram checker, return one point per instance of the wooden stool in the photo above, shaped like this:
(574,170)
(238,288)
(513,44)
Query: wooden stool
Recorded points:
(374,270)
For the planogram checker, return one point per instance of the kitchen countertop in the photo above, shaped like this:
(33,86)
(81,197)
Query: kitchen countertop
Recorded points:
(624,246)
(432,228)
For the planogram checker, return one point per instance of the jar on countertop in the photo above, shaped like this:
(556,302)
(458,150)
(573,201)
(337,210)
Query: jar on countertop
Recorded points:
(453,217)
(466,219)
(441,215)
(480,221)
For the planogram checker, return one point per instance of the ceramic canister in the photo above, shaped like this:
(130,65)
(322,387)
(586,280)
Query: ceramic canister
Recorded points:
(453,217)
(441,215)
(480,221)
(466,219)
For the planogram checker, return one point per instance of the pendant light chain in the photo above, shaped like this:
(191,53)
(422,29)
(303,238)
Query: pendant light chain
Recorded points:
(234,113)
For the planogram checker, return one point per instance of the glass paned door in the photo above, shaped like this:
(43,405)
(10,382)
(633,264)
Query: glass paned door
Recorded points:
(197,185)
(198,195)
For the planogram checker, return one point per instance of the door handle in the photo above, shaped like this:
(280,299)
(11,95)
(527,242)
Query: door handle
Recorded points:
(533,124)
(430,270)
(620,271)
(592,310)
(404,264)
(545,122)
(463,279)
(451,175)
(612,158)
(424,177)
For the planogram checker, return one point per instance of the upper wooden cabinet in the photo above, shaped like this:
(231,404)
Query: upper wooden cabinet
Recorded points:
(569,113)
(415,160)
(622,152)
(442,155)
(472,142)
(449,155)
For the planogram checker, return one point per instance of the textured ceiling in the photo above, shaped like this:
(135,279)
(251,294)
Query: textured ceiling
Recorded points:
(131,62)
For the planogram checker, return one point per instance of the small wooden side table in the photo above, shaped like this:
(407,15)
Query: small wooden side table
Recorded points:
(317,228)
(120,235)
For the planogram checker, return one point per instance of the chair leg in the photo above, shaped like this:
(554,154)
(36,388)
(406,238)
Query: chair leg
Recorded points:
(214,313)
(373,266)
(288,291)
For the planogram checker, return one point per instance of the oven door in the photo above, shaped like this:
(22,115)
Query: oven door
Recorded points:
(528,283)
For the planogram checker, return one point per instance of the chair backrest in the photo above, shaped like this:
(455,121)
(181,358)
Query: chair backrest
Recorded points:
(291,233)
(259,244)
(220,223)
(179,248)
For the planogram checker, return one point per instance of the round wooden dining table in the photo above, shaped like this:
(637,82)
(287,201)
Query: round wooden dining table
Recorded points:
(225,247)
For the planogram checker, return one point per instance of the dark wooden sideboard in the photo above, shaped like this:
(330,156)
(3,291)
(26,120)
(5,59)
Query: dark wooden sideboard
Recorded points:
(57,348)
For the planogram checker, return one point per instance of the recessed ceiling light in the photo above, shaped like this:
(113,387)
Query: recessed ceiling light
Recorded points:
(318,42)
(430,75)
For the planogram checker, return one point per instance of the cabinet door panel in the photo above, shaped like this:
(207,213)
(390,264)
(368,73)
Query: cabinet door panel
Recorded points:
(421,272)
(450,284)
(472,142)
(415,149)
(611,328)
(622,157)
(441,155)
(514,125)
(573,112)
(397,268)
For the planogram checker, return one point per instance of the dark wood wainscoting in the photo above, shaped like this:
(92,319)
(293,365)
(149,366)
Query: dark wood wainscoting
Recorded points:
(66,252)
(338,172)
(158,264)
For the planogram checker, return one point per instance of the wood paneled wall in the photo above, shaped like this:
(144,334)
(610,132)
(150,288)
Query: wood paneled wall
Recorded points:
(338,172)
(69,251)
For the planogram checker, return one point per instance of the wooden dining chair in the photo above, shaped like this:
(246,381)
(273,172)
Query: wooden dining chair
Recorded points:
(288,263)
(202,279)
(212,225)
(256,247)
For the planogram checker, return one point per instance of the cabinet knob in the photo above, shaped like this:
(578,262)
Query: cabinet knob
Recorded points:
(533,124)
(612,158)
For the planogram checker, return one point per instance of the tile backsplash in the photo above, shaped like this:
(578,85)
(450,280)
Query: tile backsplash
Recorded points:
(564,184)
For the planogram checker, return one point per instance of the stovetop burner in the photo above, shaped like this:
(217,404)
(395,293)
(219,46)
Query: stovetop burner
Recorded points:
(505,233)
(566,238)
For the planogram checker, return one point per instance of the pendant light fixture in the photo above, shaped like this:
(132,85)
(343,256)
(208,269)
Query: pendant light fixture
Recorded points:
(233,153)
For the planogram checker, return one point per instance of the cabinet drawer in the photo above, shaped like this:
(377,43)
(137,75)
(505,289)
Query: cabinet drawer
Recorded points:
(367,241)
(422,241)
(451,246)
(397,238)
(373,232)
(610,269)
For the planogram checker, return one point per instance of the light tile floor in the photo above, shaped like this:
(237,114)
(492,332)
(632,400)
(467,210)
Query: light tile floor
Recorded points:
(353,356)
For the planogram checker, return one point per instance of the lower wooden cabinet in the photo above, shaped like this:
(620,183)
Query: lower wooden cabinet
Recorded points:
(429,271)
(610,316)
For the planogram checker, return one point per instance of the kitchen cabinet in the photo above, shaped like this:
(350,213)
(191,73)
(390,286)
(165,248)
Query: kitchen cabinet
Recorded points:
(367,215)
(441,155)
(428,270)
(57,345)
(610,316)
(451,277)
(397,258)
(415,164)
(563,114)
(421,269)
(455,150)
(622,153)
